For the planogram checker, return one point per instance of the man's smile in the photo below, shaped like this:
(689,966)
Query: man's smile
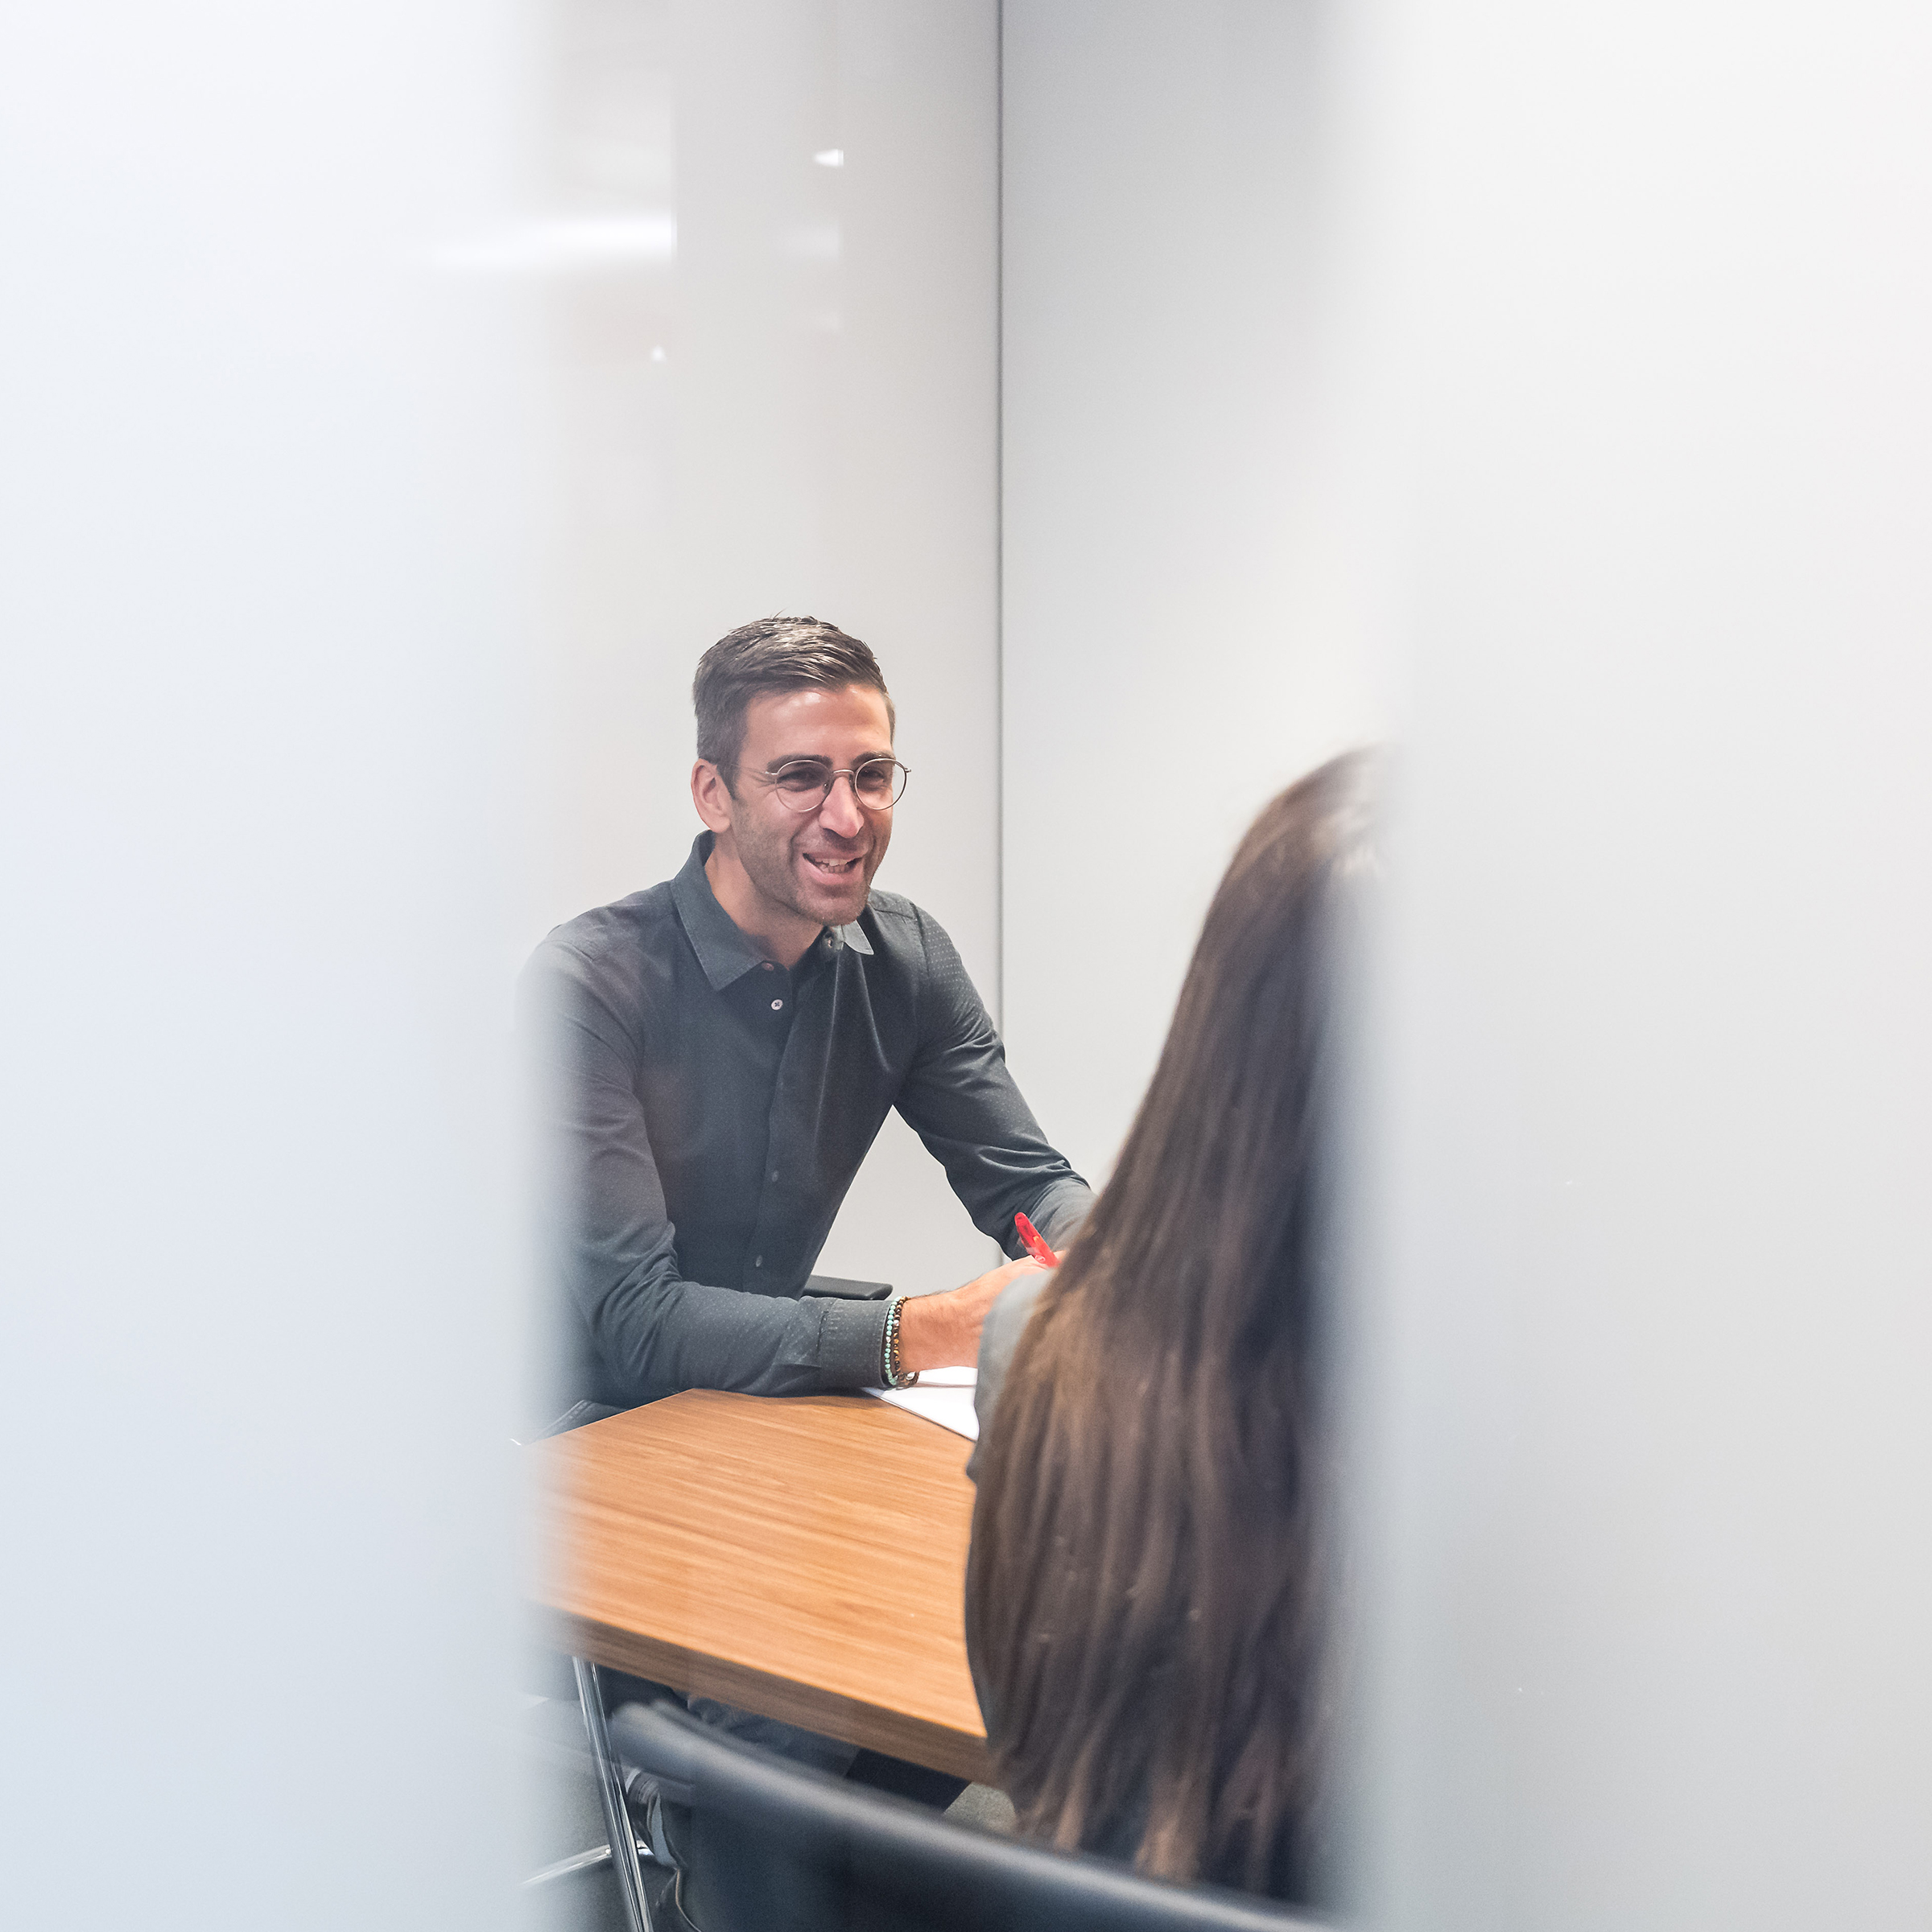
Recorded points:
(830,863)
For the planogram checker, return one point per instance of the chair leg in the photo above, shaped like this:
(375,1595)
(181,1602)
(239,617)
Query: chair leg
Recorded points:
(610,1793)
(597,1856)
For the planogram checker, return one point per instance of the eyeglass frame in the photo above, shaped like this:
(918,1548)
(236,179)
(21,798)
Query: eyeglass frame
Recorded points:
(833,773)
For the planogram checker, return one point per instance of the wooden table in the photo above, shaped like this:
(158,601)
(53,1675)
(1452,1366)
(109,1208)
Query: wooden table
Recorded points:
(804,1557)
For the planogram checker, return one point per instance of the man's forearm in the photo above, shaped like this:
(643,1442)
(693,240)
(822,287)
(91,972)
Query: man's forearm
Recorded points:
(660,1338)
(942,1330)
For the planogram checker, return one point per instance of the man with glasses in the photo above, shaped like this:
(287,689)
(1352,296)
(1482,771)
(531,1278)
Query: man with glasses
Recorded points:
(724,1048)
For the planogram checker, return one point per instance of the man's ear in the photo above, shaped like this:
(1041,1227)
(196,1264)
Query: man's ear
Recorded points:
(711,795)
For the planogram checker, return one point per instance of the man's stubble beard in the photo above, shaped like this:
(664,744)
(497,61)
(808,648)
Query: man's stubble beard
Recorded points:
(766,857)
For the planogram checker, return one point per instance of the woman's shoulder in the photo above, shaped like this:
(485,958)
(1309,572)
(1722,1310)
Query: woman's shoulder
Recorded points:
(1011,1310)
(1005,1322)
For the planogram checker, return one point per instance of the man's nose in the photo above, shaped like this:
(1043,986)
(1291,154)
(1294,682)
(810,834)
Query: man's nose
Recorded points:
(842,813)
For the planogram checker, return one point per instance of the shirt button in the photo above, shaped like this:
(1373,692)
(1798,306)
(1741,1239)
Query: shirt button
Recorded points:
(758,1261)
(778,1005)
(770,968)
(774,1173)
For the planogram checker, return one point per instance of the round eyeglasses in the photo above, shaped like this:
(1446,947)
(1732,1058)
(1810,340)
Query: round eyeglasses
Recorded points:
(806,783)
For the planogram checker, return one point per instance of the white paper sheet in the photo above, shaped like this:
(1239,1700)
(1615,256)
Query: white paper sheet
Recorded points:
(942,1395)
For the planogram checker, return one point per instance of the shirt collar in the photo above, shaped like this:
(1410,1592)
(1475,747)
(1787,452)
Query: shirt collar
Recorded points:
(724,951)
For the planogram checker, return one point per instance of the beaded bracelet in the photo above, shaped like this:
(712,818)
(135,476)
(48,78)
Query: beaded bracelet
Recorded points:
(889,1356)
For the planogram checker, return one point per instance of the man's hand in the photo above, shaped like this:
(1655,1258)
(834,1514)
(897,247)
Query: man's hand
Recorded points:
(942,1330)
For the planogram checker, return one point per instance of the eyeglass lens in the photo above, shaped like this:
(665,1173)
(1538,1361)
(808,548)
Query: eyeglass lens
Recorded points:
(878,783)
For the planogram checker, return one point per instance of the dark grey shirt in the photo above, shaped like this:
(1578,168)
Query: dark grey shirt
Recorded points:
(708,1108)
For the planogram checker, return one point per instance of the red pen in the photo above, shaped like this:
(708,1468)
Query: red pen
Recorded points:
(1034,1244)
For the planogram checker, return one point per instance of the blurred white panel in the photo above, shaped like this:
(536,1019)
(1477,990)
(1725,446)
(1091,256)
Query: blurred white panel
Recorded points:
(1184,620)
(262,475)
(1659,1443)
(793,407)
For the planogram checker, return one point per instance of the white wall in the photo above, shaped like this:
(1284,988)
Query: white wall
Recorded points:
(1184,626)
(262,478)
(793,408)
(1659,1451)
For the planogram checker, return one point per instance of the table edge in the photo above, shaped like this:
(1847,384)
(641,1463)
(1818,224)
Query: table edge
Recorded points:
(854,1721)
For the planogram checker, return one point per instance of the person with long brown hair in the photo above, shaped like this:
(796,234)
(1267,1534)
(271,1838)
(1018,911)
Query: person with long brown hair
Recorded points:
(1152,1593)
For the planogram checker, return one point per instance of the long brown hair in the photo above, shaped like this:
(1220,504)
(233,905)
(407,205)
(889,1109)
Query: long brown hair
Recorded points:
(1151,1593)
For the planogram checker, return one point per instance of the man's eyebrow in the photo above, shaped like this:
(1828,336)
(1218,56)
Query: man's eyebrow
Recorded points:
(819,759)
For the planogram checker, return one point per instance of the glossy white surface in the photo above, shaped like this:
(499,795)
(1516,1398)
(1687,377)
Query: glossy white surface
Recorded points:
(1185,623)
(792,409)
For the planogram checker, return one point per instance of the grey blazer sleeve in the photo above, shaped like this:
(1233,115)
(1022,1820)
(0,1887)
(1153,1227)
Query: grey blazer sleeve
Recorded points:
(1005,1322)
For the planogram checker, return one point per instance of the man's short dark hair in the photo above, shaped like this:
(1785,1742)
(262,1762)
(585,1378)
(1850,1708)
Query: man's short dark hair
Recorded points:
(775,654)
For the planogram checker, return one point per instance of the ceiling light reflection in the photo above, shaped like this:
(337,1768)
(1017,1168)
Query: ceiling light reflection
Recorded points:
(566,243)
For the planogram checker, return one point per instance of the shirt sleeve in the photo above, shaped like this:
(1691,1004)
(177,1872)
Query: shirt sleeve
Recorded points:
(959,1097)
(650,1332)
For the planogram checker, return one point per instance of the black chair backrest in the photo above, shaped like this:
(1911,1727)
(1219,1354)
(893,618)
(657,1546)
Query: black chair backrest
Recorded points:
(777,1844)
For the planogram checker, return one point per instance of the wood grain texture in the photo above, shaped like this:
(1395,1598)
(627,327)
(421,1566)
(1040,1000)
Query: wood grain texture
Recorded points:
(804,1557)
